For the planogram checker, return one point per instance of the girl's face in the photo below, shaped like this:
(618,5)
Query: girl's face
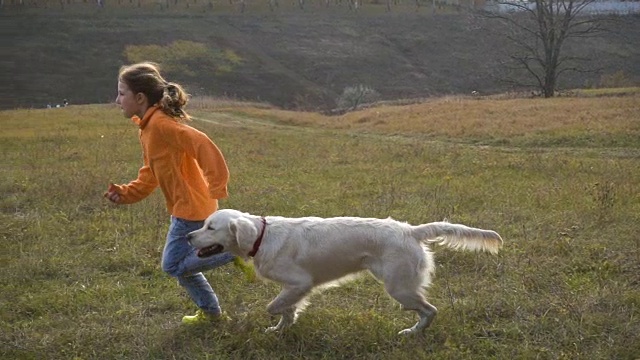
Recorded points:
(130,103)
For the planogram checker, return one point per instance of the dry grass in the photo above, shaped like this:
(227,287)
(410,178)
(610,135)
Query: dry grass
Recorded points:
(568,121)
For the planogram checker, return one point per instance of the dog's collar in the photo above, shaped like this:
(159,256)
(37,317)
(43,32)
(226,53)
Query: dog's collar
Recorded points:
(256,244)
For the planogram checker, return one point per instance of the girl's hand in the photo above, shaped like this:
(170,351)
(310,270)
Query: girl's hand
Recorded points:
(111,194)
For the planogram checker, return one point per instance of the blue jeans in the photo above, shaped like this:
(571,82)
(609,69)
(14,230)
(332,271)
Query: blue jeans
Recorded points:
(179,259)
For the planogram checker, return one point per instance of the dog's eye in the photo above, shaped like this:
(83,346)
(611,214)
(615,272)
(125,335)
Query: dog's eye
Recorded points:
(210,227)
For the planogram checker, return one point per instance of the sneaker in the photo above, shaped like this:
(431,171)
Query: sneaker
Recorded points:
(247,269)
(202,317)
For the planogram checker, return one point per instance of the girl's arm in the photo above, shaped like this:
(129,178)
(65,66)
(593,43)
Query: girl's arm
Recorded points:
(136,190)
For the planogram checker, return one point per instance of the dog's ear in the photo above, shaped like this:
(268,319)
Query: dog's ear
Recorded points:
(244,232)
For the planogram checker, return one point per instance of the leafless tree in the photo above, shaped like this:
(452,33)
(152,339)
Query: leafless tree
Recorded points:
(540,30)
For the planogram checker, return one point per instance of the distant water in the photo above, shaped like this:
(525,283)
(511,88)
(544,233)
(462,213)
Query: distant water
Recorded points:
(598,7)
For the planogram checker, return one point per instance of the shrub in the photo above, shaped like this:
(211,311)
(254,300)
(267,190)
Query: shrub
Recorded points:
(352,96)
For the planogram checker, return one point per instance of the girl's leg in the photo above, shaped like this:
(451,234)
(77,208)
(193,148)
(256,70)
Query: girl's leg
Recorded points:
(179,259)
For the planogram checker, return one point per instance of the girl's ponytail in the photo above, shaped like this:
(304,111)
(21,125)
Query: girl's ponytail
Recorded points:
(173,100)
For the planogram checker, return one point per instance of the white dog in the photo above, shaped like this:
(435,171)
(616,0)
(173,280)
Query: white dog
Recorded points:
(305,253)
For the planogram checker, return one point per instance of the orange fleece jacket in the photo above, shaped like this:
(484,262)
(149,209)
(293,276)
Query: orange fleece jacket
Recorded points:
(184,162)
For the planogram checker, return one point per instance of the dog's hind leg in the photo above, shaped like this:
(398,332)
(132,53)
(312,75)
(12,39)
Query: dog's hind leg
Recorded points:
(404,281)
(427,313)
(411,298)
(414,300)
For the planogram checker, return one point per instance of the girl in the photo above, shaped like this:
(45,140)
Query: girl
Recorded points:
(186,165)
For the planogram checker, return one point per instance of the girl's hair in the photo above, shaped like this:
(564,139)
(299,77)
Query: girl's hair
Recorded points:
(145,78)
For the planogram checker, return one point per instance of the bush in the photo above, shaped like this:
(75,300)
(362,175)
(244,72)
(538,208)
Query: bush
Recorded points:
(352,96)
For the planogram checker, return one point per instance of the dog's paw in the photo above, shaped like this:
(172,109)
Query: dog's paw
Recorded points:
(271,329)
(407,332)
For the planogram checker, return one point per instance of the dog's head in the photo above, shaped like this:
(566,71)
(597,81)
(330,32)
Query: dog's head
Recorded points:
(225,230)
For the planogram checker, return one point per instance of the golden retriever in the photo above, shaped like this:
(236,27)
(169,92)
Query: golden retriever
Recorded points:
(303,254)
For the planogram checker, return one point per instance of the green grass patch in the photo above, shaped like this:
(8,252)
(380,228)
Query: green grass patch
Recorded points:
(180,57)
(623,91)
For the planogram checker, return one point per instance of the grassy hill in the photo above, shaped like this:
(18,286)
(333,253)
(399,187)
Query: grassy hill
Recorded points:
(291,58)
(558,179)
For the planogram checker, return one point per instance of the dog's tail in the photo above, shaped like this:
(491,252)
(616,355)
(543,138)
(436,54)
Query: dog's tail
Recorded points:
(459,237)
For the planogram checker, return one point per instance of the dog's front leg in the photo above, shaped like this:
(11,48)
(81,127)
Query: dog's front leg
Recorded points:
(285,304)
(287,319)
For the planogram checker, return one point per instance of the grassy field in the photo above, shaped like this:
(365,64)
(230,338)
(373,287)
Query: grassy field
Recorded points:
(558,179)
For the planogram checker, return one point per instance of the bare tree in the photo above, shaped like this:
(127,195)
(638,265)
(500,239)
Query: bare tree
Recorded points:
(540,29)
